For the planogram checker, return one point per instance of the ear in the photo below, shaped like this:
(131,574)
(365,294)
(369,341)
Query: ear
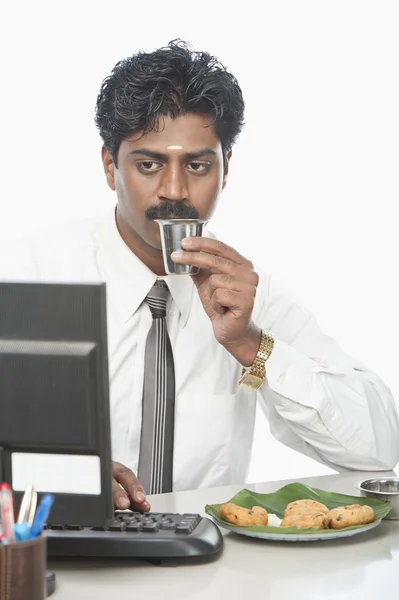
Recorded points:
(226,168)
(109,167)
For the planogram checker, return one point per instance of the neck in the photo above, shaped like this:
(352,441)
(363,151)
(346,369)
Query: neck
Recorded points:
(151,257)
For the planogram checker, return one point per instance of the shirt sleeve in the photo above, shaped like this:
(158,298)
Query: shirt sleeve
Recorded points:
(319,400)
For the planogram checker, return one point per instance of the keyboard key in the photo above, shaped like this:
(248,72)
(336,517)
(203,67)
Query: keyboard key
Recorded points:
(151,527)
(117,527)
(167,526)
(98,528)
(133,527)
(183,528)
(74,527)
(57,526)
(131,520)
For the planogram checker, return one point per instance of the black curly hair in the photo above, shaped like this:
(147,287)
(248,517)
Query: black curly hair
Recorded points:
(170,81)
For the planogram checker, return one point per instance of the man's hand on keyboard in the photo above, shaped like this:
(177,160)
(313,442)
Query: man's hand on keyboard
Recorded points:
(128,491)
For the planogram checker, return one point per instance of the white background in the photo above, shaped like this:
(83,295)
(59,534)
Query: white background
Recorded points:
(313,190)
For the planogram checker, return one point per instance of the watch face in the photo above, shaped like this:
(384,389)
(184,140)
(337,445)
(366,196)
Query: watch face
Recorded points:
(251,381)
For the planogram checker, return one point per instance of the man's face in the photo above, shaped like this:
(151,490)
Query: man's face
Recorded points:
(176,172)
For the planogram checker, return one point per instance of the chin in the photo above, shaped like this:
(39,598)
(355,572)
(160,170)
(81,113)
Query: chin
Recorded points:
(153,237)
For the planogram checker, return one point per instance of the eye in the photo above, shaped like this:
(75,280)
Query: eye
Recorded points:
(199,167)
(149,166)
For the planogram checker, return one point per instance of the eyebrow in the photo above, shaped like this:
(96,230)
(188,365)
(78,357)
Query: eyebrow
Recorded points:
(164,157)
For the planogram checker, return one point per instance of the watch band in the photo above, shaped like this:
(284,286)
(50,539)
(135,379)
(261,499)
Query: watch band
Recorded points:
(265,349)
(256,373)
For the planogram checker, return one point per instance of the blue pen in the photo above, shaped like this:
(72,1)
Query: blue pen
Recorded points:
(22,532)
(42,514)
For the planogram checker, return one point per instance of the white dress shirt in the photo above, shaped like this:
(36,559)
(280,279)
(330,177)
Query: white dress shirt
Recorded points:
(317,399)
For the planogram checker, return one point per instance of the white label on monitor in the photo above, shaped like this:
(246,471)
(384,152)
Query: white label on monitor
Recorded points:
(57,473)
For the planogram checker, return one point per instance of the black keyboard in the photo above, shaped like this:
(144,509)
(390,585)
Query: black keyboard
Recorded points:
(158,536)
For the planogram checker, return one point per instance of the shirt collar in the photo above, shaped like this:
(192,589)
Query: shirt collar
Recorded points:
(128,279)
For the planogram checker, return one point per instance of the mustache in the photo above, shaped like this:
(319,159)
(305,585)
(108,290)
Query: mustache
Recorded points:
(171,210)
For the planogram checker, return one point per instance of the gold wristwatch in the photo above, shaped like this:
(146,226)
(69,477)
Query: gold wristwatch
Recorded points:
(254,376)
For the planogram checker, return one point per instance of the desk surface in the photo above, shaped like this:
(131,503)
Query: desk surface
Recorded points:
(365,566)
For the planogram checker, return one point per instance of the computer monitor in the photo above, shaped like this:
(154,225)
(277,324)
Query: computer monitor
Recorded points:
(54,396)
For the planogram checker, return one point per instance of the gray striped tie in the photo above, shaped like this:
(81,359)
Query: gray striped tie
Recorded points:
(155,470)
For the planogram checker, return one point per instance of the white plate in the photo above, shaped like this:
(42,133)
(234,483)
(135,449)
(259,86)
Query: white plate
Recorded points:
(304,537)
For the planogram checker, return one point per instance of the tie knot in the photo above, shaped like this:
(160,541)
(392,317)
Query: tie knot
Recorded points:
(157,299)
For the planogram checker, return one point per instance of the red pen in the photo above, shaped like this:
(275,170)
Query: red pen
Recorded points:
(7,513)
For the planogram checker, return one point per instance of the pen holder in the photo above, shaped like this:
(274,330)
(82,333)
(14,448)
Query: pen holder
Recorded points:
(23,570)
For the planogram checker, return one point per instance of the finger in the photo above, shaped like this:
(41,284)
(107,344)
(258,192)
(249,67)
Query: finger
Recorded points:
(217,307)
(237,302)
(143,507)
(217,264)
(204,244)
(204,260)
(247,293)
(123,502)
(245,284)
(121,499)
(129,482)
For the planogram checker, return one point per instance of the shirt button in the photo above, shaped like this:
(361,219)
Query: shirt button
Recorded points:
(172,313)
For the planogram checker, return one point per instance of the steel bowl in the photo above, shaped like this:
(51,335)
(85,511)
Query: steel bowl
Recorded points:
(383,488)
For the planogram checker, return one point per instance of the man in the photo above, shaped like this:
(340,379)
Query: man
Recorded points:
(190,355)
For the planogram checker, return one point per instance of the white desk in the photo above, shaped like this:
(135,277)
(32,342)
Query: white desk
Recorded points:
(365,566)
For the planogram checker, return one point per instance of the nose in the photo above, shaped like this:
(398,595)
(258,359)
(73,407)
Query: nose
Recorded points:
(173,184)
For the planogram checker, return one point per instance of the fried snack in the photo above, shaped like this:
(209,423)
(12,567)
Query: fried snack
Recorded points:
(347,516)
(301,507)
(243,516)
(306,521)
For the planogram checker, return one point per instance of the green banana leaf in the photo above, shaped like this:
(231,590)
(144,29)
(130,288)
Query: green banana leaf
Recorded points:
(277,501)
